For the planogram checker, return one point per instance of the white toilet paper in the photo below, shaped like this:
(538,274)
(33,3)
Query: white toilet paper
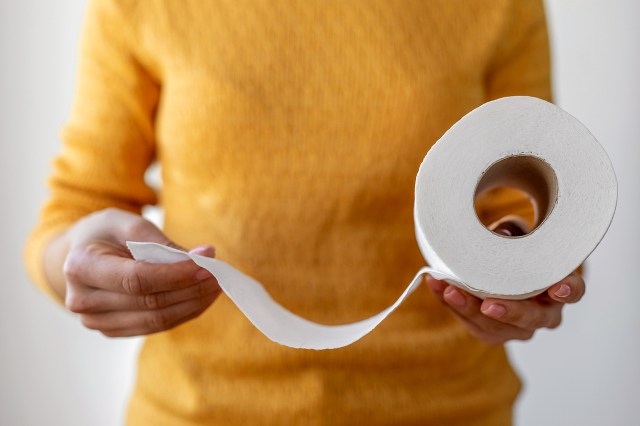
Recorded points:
(519,142)
(531,145)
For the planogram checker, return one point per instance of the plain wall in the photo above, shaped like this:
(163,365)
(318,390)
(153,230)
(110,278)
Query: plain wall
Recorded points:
(588,371)
(55,372)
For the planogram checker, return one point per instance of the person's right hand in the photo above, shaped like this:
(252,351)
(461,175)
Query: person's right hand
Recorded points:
(119,296)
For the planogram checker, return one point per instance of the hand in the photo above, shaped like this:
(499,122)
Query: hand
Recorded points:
(120,297)
(497,321)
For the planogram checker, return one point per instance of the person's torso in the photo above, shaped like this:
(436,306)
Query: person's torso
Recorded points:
(290,134)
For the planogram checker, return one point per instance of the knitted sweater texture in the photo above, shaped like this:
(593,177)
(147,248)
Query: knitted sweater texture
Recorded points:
(290,134)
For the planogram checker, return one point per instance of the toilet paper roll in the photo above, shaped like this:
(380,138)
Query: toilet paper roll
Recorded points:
(518,142)
(528,144)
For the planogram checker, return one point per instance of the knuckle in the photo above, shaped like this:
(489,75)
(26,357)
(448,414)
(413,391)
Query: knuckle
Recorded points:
(148,301)
(75,267)
(90,251)
(555,322)
(77,303)
(72,268)
(136,227)
(534,323)
(161,300)
(89,322)
(498,340)
(194,314)
(501,335)
(492,335)
(527,319)
(498,329)
(526,335)
(116,215)
(152,301)
(204,289)
(131,283)
(110,212)
(158,321)
(140,228)
(493,338)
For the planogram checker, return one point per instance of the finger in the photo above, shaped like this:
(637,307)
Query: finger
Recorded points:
(140,331)
(467,308)
(98,266)
(150,321)
(204,250)
(437,286)
(530,314)
(568,290)
(497,333)
(91,300)
(509,229)
(134,228)
(121,226)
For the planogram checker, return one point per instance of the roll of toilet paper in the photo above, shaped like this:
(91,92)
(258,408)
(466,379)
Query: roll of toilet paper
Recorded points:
(519,142)
(528,144)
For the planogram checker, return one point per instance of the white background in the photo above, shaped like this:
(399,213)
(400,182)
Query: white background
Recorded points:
(54,372)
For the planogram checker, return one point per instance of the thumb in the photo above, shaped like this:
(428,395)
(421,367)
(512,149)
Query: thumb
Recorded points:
(143,230)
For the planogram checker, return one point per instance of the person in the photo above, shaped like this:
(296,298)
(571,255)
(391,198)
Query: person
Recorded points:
(289,135)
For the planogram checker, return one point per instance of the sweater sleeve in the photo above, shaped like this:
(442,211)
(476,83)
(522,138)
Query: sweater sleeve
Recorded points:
(520,66)
(108,141)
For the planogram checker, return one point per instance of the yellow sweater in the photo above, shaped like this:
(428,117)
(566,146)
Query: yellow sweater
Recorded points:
(290,133)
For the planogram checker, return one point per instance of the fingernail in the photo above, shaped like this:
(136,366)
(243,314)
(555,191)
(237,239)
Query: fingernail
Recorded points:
(495,311)
(454,297)
(202,250)
(202,274)
(563,291)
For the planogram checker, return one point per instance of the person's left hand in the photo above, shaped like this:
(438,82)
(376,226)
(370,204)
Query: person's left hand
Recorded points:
(497,321)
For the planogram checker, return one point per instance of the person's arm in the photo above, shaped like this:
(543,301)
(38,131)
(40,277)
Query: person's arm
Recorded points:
(520,66)
(107,142)
(77,251)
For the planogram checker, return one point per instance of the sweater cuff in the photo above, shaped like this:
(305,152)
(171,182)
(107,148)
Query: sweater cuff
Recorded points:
(33,256)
